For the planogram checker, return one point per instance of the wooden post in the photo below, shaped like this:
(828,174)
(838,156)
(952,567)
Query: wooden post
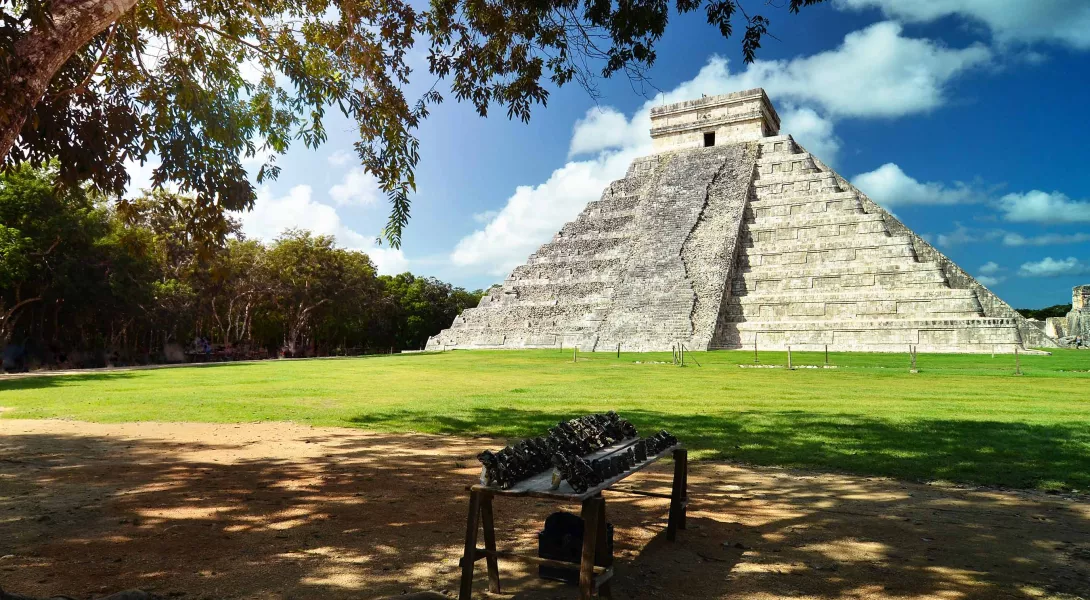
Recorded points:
(575,354)
(755,361)
(681,350)
(618,349)
(912,352)
(489,527)
(465,591)
(678,494)
(1017,362)
(789,366)
(591,512)
(826,355)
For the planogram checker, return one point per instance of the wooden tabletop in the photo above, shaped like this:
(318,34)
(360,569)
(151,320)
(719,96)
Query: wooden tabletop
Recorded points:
(539,485)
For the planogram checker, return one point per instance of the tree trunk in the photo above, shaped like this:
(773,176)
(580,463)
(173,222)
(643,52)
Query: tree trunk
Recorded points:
(42,51)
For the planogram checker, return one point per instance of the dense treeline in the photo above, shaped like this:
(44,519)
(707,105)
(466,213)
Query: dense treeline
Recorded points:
(1059,310)
(84,282)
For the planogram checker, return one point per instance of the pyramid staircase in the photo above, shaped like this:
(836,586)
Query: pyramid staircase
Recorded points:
(815,269)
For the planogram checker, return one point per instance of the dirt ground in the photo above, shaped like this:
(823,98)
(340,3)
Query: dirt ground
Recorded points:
(282,511)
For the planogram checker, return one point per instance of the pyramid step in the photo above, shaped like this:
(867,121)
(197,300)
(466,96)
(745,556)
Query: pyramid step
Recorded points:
(855,295)
(617,252)
(875,268)
(578,247)
(800,185)
(575,269)
(598,225)
(778,144)
(969,334)
(526,283)
(803,307)
(819,259)
(783,165)
(813,220)
(815,226)
(835,278)
(612,203)
(763,243)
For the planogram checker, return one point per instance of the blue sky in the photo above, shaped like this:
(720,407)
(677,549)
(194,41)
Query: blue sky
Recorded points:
(966,118)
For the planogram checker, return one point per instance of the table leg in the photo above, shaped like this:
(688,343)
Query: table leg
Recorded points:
(684,488)
(678,494)
(602,555)
(591,513)
(490,543)
(466,590)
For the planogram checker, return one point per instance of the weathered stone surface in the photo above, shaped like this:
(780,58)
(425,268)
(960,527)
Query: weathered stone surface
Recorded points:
(741,243)
(1076,324)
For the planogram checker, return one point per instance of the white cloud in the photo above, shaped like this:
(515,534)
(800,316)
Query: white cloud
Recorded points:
(965,235)
(888,185)
(357,187)
(486,216)
(1063,21)
(988,280)
(1050,267)
(534,213)
(1047,239)
(875,72)
(272,215)
(1042,207)
(962,235)
(607,129)
(989,268)
(340,158)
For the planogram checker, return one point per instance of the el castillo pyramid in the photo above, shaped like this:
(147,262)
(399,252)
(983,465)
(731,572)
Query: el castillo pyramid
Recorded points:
(733,236)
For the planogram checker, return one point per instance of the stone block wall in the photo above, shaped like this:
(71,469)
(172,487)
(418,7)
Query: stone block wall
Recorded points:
(736,245)
(646,266)
(820,265)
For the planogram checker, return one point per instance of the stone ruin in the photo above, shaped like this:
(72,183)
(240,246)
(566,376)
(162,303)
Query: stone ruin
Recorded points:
(1076,324)
(732,235)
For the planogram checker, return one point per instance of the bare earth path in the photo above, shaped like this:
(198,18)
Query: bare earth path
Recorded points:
(275,510)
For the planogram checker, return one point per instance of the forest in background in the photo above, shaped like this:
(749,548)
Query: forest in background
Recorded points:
(86,282)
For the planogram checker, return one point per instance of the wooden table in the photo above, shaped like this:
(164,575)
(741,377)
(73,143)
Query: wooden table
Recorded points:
(592,579)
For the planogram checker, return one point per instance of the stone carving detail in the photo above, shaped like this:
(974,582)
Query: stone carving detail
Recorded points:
(743,242)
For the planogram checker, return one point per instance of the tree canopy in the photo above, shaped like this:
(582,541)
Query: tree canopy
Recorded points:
(85,283)
(204,84)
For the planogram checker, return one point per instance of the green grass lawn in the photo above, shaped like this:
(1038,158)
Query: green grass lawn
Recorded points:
(962,418)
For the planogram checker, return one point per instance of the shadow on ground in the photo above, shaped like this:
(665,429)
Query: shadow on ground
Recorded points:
(285,511)
(1012,454)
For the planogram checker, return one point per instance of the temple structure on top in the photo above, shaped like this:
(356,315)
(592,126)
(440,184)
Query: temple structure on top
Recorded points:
(733,236)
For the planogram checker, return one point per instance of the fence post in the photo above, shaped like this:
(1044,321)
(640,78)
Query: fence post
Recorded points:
(789,367)
(1017,362)
(575,354)
(912,352)
(618,349)
(681,349)
(755,360)
(826,355)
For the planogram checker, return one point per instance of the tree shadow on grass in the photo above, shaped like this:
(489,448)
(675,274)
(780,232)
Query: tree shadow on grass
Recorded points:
(1012,454)
(359,515)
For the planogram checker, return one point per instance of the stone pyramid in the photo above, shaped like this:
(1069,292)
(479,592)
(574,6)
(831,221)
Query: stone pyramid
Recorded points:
(730,236)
